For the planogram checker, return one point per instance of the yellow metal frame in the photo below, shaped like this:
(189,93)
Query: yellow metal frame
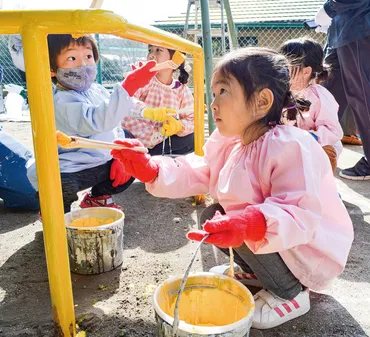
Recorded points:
(34,26)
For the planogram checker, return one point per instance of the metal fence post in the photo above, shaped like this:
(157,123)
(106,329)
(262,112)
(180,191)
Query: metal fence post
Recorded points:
(98,66)
(230,25)
(208,65)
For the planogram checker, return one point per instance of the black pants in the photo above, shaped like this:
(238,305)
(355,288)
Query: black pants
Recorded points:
(335,85)
(97,177)
(270,269)
(355,68)
(179,145)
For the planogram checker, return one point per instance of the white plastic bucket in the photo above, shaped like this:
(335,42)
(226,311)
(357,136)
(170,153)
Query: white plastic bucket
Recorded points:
(95,250)
(240,328)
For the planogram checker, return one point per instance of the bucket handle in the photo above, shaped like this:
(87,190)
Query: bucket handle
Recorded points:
(176,319)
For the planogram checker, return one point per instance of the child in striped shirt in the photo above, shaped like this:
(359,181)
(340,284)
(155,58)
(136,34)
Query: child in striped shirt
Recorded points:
(164,91)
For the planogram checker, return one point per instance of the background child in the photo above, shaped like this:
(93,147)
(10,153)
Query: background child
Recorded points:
(274,185)
(306,57)
(164,91)
(85,109)
(15,189)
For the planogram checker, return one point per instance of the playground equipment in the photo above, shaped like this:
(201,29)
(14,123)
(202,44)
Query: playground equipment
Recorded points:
(34,26)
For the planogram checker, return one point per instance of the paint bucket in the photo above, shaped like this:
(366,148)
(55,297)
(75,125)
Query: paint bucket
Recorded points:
(232,323)
(95,250)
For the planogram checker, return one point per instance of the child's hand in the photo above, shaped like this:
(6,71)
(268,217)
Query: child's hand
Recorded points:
(232,231)
(139,77)
(136,164)
(171,126)
(118,173)
(157,114)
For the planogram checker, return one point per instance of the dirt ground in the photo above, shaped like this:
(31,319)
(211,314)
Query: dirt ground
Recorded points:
(119,303)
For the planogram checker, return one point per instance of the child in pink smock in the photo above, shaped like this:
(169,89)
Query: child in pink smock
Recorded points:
(278,204)
(306,57)
(164,91)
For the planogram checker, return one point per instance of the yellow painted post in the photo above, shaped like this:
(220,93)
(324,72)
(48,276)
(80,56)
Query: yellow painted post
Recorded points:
(45,144)
(199,103)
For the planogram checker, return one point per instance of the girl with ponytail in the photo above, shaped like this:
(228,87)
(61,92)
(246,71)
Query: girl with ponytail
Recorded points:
(306,59)
(278,206)
(164,91)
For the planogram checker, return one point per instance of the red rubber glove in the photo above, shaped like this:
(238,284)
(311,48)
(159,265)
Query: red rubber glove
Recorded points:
(139,77)
(136,164)
(232,231)
(118,173)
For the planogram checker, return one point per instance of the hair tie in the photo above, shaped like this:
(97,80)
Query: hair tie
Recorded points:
(272,124)
(291,107)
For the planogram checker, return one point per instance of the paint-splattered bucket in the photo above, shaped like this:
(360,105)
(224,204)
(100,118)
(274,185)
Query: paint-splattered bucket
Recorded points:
(238,327)
(95,250)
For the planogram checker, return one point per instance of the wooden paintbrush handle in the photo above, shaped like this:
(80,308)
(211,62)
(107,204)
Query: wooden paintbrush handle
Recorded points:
(163,65)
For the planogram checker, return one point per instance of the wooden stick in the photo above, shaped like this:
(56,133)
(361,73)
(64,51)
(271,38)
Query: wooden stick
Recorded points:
(79,142)
(231,269)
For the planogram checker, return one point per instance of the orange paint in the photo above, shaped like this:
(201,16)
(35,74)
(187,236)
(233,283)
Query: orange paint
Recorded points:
(63,139)
(206,306)
(91,222)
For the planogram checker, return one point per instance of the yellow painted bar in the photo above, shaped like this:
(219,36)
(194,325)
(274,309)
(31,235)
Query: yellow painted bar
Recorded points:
(34,27)
(45,144)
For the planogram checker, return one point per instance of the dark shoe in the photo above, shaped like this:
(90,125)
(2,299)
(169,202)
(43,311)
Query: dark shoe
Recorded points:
(361,171)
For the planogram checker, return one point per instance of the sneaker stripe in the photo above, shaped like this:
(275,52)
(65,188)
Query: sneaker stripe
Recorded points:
(295,303)
(246,276)
(287,308)
(279,312)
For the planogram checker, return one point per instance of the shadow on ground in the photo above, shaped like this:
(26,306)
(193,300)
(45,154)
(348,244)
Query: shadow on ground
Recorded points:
(12,219)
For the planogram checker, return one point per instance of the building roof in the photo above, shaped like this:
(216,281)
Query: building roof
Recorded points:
(253,12)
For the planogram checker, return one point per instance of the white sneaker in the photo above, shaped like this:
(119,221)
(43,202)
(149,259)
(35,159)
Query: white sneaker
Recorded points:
(271,310)
(245,278)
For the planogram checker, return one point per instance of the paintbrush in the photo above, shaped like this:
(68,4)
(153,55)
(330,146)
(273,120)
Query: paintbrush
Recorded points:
(72,142)
(177,59)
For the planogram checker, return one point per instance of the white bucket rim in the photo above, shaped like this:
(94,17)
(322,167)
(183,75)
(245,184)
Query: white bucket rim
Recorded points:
(202,330)
(96,228)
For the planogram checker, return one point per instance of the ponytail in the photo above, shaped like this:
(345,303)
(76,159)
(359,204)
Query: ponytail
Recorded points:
(294,105)
(184,75)
(323,75)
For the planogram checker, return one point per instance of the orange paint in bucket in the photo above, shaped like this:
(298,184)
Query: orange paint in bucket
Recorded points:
(210,305)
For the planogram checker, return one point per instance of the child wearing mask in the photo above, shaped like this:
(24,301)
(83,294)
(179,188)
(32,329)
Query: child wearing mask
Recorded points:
(86,109)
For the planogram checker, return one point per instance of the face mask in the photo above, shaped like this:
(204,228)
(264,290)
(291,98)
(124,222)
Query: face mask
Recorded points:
(79,79)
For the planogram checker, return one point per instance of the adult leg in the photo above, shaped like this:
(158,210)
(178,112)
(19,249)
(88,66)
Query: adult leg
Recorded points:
(335,82)
(355,67)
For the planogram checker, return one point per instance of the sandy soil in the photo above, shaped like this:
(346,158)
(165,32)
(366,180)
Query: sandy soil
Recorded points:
(118,303)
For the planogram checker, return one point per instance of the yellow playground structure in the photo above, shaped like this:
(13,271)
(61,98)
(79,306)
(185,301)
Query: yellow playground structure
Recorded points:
(34,26)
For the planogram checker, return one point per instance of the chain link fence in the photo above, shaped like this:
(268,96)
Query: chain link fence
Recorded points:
(268,37)
(117,54)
